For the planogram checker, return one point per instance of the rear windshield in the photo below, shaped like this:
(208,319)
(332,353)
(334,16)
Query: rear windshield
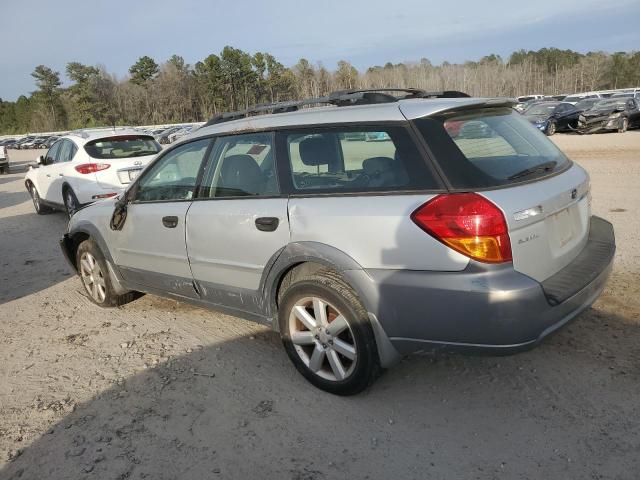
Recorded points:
(490,148)
(122,147)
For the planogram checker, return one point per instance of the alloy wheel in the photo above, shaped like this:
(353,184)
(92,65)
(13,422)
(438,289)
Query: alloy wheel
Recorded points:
(92,277)
(322,338)
(70,202)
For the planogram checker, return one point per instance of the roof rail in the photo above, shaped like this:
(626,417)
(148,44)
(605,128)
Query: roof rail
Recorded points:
(340,98)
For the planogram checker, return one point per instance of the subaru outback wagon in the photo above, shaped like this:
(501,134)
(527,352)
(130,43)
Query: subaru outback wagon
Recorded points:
(461,227)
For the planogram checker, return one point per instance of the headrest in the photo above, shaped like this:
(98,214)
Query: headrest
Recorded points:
(241,171)
(316,151)
(376,165)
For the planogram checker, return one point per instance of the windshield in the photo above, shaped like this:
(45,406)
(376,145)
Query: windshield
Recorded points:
(610,103)
(489,148)
(122,147)
(541,109)
(586,104)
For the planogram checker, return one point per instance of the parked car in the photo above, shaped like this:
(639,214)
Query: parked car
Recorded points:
(21,141)
(573,99)
(635,95)
(8,143)
(528,98)
(586,103)
(33,142)
(359,252)
(611,114)
(86,166)
(163,137)
(4,160)
(181,132)
(552,117)
(50,141)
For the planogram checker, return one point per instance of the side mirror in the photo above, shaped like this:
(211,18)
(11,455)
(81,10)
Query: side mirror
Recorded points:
(40,160)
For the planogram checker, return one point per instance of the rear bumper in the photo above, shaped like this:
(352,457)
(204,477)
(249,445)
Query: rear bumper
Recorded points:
(485,308)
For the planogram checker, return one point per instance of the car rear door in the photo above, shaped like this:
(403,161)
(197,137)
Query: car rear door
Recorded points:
(150,249)
(238,223)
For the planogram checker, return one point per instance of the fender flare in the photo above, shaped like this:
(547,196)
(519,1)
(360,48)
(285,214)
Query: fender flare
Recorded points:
(296,253)
(87,228)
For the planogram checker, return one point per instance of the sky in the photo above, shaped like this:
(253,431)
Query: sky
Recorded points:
(116,33)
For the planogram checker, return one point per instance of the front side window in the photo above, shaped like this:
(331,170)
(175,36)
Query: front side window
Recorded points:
(52,154)
(66,152)
(122,146)
(174,176)
(242,166)
(490,148)
(355,160)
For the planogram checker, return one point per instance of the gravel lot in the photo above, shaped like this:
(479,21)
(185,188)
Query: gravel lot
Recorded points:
(161,390)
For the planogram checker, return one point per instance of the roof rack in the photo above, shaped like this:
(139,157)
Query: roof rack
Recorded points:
(340,98)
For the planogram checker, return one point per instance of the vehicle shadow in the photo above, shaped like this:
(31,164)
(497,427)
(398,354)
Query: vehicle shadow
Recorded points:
(11,199)
(29,242)
(238,409)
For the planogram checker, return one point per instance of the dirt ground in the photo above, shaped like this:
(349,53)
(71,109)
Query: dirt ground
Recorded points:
(161,390)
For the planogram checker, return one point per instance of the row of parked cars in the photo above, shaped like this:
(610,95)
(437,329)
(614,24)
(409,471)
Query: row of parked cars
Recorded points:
(583,113)
(336,229)
(30,141)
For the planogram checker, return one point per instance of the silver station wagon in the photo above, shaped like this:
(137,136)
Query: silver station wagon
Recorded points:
(371,225)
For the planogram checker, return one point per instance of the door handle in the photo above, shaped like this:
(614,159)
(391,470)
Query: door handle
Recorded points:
(170,222)
(61,174)
(267,224)
(48,175)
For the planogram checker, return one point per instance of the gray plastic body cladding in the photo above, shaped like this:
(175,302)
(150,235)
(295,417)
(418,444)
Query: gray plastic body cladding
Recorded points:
(481,308)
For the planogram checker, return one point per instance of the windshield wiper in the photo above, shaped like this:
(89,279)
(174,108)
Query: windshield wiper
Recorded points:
(543,167)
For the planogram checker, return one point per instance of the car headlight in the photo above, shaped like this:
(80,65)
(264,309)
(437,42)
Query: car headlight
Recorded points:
(615,115)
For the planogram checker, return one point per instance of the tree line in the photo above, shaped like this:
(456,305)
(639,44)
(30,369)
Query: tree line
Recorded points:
(174,91)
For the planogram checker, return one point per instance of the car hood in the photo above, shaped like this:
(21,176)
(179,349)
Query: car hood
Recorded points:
(599,112)
(537,118)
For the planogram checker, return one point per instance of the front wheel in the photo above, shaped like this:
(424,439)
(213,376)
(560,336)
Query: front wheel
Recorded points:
(94,274)
(552,128)
(37,202)
(327,334)
(624,125)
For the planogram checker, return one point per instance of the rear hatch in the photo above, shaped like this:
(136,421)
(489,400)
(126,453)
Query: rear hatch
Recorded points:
(120,158)
(543,195)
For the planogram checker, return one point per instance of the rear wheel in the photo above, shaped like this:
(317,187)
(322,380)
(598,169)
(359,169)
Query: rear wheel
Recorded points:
(37,202)
(94,274)
(624,125)
(71,203)
(327,334)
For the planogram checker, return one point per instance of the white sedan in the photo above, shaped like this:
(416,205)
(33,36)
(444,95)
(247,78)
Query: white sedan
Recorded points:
(86,166)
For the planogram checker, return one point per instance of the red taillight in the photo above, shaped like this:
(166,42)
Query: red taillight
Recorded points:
(91,167)
(468,223)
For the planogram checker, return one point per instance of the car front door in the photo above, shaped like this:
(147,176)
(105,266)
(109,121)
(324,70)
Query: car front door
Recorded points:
(58,171)
(238,222)
(150,249)
(46,172)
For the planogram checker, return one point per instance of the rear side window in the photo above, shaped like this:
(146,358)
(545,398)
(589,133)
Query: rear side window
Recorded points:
(361,159)
(490,148)
(125,146)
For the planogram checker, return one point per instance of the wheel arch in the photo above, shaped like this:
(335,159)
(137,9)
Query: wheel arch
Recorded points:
(302,258)
(85,231)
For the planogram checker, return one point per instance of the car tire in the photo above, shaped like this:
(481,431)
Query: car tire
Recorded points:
(551,129)
(37,201)
(339,358)
(624,125)
(71,203)
(95,278)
